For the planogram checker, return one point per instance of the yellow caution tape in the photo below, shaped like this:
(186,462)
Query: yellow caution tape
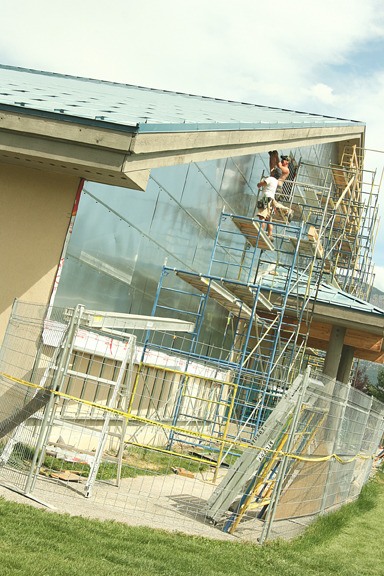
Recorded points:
(232,442)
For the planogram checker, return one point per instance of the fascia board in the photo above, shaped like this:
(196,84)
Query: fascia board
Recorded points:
(340,316)
(147,143)
(96,163)
(266,141)
(65,131)
(90,152)
(125,158)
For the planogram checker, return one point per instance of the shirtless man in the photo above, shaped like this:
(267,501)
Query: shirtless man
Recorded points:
(282,163)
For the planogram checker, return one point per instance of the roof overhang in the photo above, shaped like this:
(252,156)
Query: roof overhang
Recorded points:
(123,156)
(90,152)
(364,331)
(154,150)
(349,318)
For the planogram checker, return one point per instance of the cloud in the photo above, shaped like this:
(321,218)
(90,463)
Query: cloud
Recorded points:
(251,49)
(323,93)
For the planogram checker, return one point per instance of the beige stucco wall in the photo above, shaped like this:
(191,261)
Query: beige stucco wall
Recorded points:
(36,208)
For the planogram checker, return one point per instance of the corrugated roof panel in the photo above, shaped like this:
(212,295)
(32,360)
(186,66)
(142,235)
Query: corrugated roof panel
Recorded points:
(148,109)
(326,294)
(330,295)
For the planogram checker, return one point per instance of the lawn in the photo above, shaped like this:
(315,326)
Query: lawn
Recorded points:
(137,462)
(37,542)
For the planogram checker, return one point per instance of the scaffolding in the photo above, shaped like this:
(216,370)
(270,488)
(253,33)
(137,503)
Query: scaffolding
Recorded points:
(265,293)
(253,306)
(340,201)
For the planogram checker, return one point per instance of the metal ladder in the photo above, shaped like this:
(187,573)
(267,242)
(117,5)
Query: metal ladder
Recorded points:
(241,478)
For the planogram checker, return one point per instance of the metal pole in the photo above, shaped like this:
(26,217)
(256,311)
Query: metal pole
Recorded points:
(127,398)
(49,409)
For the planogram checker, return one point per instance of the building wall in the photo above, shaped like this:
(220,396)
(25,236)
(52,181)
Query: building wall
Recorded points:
(122,238)
(35,212)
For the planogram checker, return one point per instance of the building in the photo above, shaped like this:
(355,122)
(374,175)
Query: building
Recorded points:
(139,201)
(178,161)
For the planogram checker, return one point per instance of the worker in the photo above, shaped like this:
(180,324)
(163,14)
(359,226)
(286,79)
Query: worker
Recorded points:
(268,205)
(283,164)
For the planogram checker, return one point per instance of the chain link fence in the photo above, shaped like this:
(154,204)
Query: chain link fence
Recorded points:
(86,428)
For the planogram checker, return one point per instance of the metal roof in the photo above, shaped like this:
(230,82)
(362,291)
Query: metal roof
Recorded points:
(135,108)
(328,294)
(325,294)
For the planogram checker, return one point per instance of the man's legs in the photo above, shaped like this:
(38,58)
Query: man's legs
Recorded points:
(266,217)
(269,227)
(263,220)
(284,211)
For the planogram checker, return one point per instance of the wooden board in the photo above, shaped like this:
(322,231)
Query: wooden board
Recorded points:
(252,230)
(219,293)
(247,294)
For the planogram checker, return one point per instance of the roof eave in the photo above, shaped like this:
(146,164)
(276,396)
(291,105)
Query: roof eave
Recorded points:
(348,318)
(93,152)
(121,157)
(154,149)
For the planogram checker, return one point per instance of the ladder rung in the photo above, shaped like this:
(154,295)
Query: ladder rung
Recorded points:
(85,376)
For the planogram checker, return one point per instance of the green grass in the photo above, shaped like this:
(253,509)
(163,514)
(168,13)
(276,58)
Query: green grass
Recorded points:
(138,462)
(143,463)
(40,543)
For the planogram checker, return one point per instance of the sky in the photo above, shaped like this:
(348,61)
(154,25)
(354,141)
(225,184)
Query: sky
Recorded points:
(322,57)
